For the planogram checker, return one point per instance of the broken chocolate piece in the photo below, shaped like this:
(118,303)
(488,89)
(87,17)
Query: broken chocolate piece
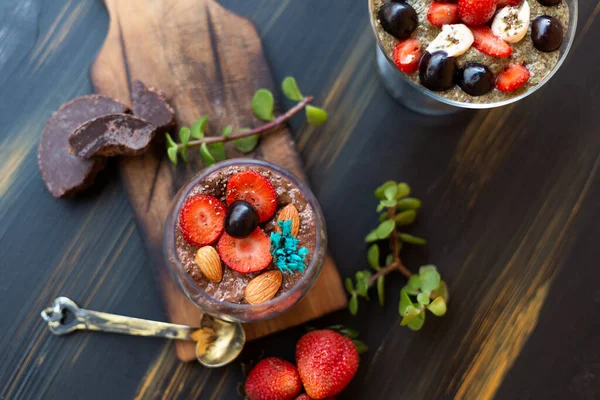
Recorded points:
(112,135)
(63,173)
(150,104)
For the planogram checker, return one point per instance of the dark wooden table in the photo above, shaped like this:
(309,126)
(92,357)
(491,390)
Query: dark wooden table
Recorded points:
(511,211)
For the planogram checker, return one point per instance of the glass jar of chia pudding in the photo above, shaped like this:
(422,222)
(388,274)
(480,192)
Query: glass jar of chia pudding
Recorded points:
(490,57)
(245,240)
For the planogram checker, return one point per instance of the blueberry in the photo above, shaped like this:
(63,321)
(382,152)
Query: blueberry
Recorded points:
(475,79)
(546,33)
(549,3)
(437,70)
(241,219)
(398,19)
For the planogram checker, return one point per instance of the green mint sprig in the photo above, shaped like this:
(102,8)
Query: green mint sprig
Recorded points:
(423,291)
(212,149)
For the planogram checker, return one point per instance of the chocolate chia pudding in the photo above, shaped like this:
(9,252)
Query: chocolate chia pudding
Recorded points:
(232,286)
(524,52)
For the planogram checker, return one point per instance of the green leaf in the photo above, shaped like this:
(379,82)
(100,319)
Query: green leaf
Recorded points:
(373,256)
(172,153)
(388,203)
(362,286)
(423,298)
(430,278)
(184,135)
(389,259)
(441,291)
(414,282)
(349,332)
(403,190)
(384,229)
(170,142)
(316,116)
(418,322)
(246,144)
(217,150)
(353,304)
(380,191)
(381,289)
(207,157)
(390,192)
(438,307)
(309,328)
(336,328)
(228,129)
(262,105)
(405,301)
(410,314)
(290,89)
(372,237)
(405,217)
(183,151)
(349,285)
(198,127)
(405,237)
(409,203)
(360,346)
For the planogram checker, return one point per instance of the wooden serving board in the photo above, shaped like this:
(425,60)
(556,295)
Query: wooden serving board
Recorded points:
(209,61)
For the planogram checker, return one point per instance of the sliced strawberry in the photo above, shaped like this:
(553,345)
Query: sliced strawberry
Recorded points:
(201,219)
(255,189)
(487,43)
(512,77)
(245,255)
(407,54)
(476,12)
(508,3)
(442,14)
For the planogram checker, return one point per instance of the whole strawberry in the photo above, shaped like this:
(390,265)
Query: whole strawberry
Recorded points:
(327,361)
(273,379)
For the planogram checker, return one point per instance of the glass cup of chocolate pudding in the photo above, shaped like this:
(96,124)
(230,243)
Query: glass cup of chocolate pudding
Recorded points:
(245,240)
(540,48)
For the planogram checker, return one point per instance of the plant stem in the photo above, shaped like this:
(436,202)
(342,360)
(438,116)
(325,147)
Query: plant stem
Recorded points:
(258,130)
(387,269)
(396,246)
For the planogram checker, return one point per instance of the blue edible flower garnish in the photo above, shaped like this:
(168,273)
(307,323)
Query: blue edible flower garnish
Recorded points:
(284,249)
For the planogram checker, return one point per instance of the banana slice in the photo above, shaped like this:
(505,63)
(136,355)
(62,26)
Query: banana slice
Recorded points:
(453,39)
(511,23)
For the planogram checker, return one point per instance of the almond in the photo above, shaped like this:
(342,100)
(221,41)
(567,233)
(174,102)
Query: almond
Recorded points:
(263,287)
(288,213)
(209,262)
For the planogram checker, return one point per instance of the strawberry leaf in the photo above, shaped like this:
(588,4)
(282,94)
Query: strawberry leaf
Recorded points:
(360,346)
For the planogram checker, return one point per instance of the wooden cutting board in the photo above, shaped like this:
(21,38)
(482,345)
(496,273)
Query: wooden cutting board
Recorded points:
(209,61)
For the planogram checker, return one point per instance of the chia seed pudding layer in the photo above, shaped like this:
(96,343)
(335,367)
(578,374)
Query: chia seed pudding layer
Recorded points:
(538,63)
(231,288)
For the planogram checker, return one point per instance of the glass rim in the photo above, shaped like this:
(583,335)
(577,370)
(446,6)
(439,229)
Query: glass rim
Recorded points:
(304,284)
(570,34)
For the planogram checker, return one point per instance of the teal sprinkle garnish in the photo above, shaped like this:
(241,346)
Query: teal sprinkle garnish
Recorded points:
(284,249)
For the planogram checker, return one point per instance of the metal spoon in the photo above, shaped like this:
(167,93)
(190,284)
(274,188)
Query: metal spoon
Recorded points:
(218,342)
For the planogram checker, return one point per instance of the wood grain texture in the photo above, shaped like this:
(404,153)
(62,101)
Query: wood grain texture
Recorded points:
(510,210)
(215,74)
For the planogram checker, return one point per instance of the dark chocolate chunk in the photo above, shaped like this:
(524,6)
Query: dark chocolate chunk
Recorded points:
(112,135)
(150,104)
(63,173)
